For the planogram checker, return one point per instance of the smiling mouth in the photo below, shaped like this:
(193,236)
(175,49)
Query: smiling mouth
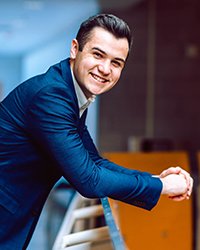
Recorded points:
(99,79)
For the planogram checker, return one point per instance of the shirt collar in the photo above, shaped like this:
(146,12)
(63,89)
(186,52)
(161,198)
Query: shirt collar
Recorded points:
(83,102)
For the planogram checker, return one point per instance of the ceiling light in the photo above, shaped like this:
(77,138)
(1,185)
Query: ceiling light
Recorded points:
(33,5)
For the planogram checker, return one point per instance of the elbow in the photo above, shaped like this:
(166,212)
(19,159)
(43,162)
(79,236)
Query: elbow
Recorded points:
(90,193)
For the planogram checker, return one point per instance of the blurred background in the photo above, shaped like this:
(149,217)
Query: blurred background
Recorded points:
(155,106)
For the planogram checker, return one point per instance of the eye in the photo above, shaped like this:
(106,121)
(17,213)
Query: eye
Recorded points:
(117,64)
(97,55)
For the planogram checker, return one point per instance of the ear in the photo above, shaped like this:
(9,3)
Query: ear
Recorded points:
(74,49)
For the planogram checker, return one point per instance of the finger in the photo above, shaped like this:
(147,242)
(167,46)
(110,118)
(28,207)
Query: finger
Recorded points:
(183,195)
(186,175)
(190,186)
(178,168)
(171,170)
(186,179)
(178,197)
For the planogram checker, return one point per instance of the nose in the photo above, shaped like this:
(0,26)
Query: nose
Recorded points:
(104,67)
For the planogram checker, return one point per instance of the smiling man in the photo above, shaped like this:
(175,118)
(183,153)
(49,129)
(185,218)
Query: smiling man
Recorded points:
(98,66)
(43,136)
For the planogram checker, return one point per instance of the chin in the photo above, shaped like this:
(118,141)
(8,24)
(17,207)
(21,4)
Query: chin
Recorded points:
(98,92)
(95,92)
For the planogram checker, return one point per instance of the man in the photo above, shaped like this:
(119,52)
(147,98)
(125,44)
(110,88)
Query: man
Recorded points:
(43,136)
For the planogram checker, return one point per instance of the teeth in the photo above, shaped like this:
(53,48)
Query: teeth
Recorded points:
(98,78)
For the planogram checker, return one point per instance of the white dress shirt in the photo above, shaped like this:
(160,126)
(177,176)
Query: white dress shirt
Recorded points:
(83,102)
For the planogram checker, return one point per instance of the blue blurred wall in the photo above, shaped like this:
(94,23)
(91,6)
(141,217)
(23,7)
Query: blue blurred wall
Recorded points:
(10,73)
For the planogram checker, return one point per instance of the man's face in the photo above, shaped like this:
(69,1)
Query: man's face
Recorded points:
(98,67)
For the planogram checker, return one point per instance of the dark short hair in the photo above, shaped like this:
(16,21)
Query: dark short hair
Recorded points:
(118,27)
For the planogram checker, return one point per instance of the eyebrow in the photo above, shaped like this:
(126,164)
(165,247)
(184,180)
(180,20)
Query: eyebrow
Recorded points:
(103,52)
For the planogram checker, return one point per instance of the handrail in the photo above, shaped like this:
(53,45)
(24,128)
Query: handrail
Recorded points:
(115,234)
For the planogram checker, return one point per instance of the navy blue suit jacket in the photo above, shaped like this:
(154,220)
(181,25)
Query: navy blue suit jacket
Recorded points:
(43,138)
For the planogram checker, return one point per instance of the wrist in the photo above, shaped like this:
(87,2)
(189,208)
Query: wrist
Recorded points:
(164,187)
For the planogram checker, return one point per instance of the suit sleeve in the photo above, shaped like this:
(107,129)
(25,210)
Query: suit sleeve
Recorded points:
(52,123)
(100,161)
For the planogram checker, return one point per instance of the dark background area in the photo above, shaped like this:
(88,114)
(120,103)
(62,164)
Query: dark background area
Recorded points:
(158,96)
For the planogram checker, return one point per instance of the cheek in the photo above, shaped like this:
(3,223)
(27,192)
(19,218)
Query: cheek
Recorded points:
(84,67)
(80,67)
(116,75)
(115,79)
(112,84)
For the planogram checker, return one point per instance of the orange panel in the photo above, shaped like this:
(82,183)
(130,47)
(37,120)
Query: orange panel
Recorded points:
(169,225)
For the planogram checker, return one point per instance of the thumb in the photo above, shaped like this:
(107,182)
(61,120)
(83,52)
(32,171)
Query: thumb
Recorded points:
(171,170)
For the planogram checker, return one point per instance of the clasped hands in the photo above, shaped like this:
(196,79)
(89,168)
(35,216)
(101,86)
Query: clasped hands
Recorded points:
(177,183)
